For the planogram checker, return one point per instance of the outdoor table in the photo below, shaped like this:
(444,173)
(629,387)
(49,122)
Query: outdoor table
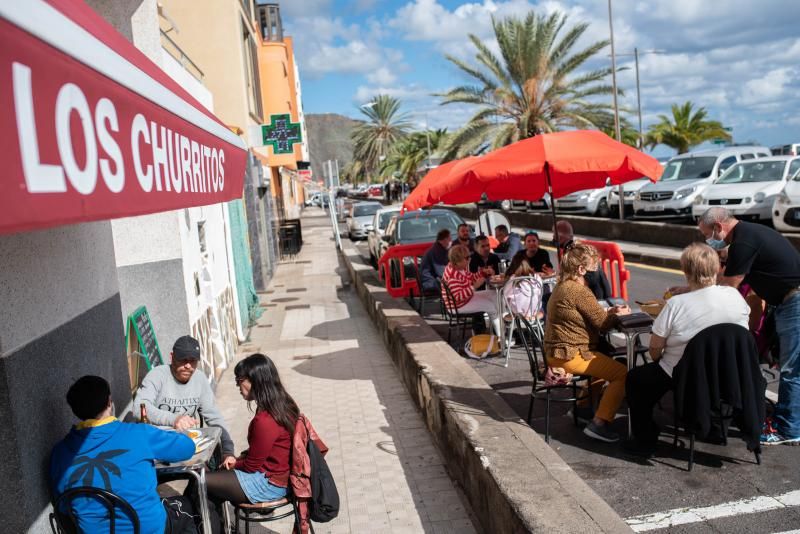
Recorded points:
(498,288)
(632,334)
(196,467)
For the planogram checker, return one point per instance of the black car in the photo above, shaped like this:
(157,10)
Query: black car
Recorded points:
(417,227)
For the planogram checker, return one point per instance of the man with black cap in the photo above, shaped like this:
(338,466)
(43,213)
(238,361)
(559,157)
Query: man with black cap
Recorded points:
(177,394)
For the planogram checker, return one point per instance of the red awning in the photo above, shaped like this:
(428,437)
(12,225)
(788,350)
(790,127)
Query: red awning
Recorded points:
(91,129)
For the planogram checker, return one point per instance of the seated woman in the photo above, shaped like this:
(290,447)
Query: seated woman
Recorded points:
(463,284)
(704,304)
(262,472)
(575,321)
(524,297)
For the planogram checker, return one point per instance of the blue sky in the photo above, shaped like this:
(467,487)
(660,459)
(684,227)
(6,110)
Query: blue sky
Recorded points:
(738,58)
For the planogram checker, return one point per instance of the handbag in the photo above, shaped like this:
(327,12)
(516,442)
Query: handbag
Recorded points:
(482,345)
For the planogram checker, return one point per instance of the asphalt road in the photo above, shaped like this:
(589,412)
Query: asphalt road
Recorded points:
(725,492)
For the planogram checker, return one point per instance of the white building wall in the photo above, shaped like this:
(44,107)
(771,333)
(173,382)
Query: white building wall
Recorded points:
(300,115)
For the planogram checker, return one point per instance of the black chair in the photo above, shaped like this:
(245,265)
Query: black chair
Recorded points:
(533,347)
(454,319)
(266,512)
(64,521)
(427,294)
(724,354)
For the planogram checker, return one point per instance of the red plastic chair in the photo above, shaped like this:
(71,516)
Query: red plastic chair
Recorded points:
(613,263)
(405,285)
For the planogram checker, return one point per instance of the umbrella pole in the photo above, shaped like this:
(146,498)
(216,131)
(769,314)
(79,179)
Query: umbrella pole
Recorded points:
(552,208)
(478,211)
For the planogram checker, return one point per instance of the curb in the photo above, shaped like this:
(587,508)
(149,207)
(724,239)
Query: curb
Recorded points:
(513,480)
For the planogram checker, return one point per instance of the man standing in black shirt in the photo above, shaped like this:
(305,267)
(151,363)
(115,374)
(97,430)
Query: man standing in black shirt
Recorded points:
(483,258)
(766,261)
(537,258)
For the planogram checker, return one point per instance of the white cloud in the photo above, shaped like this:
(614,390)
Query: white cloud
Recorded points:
(382,76)
(352,57)
(769,88)
(409,94)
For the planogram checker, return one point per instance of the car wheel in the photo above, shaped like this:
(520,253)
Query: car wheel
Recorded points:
(602,208)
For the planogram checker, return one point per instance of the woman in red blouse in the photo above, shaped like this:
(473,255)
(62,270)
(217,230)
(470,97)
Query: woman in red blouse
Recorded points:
(463,283)
(260,473)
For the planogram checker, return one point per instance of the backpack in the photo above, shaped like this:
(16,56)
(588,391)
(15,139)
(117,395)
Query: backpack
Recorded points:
(324,503)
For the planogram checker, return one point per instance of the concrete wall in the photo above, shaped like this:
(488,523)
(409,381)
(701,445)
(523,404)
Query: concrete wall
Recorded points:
(60,320)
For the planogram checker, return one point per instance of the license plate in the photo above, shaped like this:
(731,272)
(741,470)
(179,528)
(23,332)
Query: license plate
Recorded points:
(655,207)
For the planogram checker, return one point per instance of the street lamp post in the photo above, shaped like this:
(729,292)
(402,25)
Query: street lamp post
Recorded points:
(638,89)
(428,139)
(620,190)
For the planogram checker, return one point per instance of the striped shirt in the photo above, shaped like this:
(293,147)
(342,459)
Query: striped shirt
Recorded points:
(460,283)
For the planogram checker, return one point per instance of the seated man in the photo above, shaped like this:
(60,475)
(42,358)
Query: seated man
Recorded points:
(509,243)
(463,238)
(705,304)
(177,394)
(537,258)
(105,453)
(597,280)
(483,260)
(434,261)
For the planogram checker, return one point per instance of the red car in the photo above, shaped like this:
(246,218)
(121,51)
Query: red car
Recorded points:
(375,191)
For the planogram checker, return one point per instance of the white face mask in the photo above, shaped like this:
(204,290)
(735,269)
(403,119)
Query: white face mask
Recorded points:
(715,243)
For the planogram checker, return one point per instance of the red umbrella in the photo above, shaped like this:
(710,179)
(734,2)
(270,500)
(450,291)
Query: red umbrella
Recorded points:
(559,163)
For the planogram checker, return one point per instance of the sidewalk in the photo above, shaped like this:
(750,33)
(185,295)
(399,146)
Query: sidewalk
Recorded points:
(389,474)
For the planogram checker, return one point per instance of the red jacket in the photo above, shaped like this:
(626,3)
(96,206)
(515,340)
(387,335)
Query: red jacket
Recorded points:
(300,471)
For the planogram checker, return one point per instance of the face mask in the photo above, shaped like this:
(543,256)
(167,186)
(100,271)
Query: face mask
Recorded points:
(716,244)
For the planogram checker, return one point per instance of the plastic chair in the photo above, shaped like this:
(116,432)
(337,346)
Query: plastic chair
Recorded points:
(531,305)
(532,339)
(67,522)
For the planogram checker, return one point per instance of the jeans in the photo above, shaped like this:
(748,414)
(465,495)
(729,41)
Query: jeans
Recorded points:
(644,387)
(787,325)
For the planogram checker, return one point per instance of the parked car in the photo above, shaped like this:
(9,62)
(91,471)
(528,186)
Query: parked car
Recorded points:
(416,227)
(375,191)
(591,201)
(379,223)
(749,189)
(629,190)
(543,204)
(314,199)
(685,177)
(786,208)
(359,219)
(792,149)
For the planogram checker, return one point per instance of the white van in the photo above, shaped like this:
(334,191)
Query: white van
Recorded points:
(685,177)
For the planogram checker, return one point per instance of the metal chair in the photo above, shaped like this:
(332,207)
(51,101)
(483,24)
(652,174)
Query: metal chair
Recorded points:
(531,289)
(265,512)
(532,339)
(427,294)
(454,319)
(66,522)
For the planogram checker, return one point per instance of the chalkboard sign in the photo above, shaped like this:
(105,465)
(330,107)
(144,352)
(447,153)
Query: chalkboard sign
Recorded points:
(140,325)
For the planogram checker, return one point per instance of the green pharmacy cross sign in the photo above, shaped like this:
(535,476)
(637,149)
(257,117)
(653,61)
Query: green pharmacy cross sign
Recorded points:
(281,133)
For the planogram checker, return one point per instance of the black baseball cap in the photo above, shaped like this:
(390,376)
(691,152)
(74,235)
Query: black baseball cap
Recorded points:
(186,347)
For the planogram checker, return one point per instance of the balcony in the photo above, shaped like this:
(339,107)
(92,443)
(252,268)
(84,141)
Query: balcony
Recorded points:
(172,48)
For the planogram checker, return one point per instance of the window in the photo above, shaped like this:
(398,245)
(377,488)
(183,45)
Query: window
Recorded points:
(725,163)
(250,55)
(689,168)
(201,236)
(794,167)
(754,171)
(365,210)
(747,156)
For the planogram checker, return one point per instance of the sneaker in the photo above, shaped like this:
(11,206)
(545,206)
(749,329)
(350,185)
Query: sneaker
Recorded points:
(601,433)
(776,438)
(636,448)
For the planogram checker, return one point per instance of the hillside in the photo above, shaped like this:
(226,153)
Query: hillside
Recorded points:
(329,138)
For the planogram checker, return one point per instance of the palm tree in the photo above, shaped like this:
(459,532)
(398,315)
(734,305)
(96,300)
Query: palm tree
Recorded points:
(373,140)
(685,129)
(532,87)
(100,463)
(408,154)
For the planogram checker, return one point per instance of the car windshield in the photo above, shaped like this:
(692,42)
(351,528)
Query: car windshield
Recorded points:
(363,210)
(384,218)
(689,168)
(753,171)
(425,228)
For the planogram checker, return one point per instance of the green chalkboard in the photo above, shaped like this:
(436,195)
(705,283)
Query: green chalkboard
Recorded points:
(139,330)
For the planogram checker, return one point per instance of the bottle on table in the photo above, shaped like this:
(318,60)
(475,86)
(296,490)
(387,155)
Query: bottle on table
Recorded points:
(143,414)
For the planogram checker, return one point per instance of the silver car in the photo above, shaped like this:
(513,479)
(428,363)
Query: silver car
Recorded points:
(375,237)
(359,219)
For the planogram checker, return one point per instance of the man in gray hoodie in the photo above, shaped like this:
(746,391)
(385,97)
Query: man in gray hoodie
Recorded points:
(177,394)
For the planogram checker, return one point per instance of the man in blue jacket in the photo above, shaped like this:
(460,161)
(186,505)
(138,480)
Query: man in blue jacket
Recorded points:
(509,243)
(433,263)
(105,453)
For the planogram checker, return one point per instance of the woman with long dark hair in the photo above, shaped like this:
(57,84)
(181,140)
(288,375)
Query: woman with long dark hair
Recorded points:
(260,473)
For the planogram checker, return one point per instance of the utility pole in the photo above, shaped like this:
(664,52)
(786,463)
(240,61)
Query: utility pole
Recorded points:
(620,190)
(638,97)
(428,139)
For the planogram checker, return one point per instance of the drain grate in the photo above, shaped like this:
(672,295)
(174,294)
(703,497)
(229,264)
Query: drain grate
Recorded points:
(285,299)
(302,357)
(298,307)
(296,290)
(265,326)
(303,261)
